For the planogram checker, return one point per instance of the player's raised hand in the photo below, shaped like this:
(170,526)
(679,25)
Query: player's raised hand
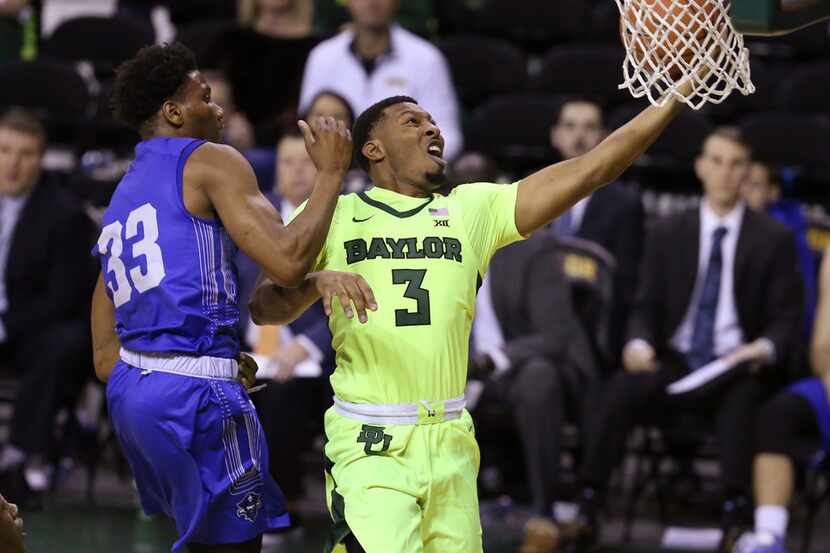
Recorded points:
(348,288)
(329,143)
(11,528)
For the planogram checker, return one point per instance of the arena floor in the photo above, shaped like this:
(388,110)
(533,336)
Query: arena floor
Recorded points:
(113,524)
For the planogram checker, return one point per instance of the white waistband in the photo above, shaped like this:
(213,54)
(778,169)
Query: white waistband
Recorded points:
(424,412)
(185,365)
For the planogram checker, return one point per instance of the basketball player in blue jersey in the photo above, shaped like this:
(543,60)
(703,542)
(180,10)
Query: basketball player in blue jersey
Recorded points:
(164,312)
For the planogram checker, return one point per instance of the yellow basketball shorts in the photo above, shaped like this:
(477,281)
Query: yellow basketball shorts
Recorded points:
(403,488)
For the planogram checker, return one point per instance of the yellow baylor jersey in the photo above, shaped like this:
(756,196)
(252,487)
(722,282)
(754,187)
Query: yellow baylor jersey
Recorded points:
(424,259)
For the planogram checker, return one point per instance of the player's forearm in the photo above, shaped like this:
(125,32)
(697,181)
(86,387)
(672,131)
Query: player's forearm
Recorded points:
(106,347)
(305,235)
(546,194)
(273,304)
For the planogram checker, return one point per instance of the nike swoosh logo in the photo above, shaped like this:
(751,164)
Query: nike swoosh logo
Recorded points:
(356,220)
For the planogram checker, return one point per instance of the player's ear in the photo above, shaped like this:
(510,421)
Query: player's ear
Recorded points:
(172,112)
(373,151)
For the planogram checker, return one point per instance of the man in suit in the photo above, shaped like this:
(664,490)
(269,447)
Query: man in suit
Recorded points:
(611,217)
(527,337)
(721,282)
(291,406)
(46,274)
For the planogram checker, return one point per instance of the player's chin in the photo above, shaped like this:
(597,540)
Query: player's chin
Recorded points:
(436,178)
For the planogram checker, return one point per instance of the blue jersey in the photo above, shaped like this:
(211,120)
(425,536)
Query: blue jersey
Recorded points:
(170,274)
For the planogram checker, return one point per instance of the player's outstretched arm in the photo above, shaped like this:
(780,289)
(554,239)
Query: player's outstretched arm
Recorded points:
(273,304)
(545,195)
(285,252)
(106,347)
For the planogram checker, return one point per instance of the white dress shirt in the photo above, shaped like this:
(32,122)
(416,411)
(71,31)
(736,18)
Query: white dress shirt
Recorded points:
(10,208)
(578,213)
(728,332)
(413,67)
(487,335)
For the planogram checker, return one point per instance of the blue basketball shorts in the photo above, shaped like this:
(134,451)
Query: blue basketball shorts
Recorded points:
(198,454)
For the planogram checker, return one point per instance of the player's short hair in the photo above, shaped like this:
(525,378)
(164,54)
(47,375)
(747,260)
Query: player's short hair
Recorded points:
(732,134)
(25,122)
(362,132)
(142,84)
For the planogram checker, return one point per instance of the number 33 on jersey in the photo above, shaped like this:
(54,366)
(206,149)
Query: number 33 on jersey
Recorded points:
(424,259)
(169,274)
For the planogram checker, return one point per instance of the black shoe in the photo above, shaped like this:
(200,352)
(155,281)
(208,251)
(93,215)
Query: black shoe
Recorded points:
(736,519)
(582,534)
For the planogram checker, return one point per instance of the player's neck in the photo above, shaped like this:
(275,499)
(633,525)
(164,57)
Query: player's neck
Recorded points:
(167,132)
(371,42)
(383,177)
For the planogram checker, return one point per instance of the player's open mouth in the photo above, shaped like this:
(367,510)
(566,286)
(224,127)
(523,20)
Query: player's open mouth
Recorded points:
(435,149)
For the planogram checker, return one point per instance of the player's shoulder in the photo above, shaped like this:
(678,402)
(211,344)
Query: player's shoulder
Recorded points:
(217,160)
(477,190)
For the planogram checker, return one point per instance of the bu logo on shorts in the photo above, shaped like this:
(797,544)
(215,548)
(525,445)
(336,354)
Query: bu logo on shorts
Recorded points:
(373,435)
(248,508)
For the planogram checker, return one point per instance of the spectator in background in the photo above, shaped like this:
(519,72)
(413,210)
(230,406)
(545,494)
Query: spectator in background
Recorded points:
(291,404)
(46,278)
(376,59)
(236,130)
(611,217)
(11,30)
(331,104)
(278,18)
(762,192)
(720,282)
(264,60)
(792,430)
(528,337)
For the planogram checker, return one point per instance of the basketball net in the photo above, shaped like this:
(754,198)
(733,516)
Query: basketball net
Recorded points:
(704,47)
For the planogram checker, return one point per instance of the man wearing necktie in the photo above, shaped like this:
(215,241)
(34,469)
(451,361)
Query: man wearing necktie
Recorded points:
(720,282)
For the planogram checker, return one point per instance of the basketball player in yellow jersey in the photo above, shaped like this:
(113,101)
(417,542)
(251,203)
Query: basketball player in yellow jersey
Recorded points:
(402,458)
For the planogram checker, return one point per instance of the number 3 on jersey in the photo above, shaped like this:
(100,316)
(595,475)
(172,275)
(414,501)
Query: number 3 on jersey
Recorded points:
(110,243)
(414,279)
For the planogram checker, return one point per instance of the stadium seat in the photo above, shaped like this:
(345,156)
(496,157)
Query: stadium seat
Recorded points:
(514,130)
(806,89)
(806,44)
(204,37)
(589,269)
(678,146)
(482,67)
(788,138)
(104,41)
(591,70)
(538,24)
(104,131)
(33,85)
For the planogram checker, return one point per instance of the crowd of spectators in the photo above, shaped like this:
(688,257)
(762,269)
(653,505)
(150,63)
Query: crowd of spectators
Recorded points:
(581,327)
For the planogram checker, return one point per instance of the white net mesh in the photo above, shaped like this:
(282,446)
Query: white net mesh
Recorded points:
(670,41)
